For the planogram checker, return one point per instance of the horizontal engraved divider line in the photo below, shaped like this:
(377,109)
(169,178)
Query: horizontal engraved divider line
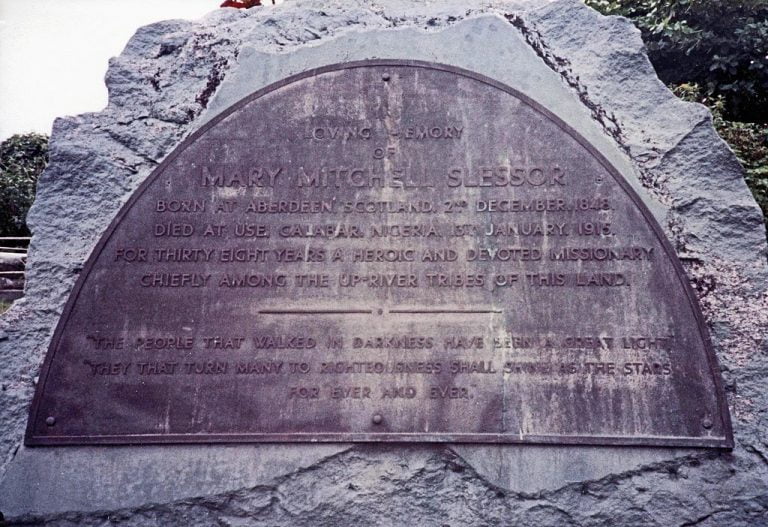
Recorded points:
(444,311)
(316,312)
(370,311)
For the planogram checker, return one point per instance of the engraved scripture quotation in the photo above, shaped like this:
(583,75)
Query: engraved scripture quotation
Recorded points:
(382,251)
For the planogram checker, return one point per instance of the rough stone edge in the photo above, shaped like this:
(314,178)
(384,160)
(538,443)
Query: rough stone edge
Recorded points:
(444,490)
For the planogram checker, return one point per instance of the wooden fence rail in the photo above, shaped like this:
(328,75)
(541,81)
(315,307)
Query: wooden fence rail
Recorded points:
(15,249)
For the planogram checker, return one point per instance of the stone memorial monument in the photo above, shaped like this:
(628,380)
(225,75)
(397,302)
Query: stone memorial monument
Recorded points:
(329,263)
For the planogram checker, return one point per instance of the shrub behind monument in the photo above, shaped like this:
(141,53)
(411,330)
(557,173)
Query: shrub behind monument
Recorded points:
(22,159)
(722,45)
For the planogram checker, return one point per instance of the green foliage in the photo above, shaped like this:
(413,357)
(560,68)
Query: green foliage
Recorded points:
(22,159)
(748,140)
(722,45)
(4,306)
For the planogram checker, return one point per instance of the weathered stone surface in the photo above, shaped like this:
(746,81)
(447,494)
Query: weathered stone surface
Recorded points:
(590,70)
(434,487)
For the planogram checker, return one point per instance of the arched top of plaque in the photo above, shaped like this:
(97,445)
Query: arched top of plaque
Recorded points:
(383,250)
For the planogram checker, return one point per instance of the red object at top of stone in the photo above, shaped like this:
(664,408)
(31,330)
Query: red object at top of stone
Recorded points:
(241,4)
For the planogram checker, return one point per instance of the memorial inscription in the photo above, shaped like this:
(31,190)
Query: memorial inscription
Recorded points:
(383,251)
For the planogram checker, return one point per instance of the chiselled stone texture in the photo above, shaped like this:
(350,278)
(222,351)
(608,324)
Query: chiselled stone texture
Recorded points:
(167,82)
(435,488)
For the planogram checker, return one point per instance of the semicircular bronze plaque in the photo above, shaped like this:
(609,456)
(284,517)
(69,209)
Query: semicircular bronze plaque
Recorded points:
(383,251)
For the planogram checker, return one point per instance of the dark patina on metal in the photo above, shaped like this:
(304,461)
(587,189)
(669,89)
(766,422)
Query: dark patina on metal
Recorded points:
(383,251)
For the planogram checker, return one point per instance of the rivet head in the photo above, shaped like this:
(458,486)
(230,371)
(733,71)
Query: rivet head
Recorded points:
(707,423)
(385,77)
(50,421)
(377,419)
